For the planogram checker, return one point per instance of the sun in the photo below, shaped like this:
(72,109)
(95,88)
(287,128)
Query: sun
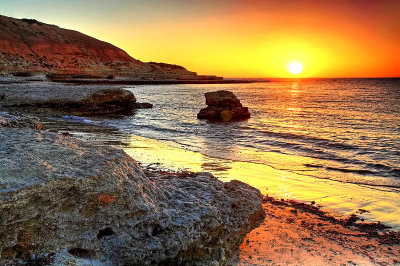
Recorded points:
(295,67)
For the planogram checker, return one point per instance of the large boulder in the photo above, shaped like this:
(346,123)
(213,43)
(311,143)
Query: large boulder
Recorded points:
(65,202)
(222,99)
(76,100)
(223,105)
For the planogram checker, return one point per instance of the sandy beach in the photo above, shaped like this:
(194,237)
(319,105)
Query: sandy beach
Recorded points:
(297,234)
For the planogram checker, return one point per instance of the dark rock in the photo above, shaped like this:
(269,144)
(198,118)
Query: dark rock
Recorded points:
(223,105)
(224,114)
(222,99)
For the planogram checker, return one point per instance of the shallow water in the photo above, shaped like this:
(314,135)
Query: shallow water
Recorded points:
(336,142)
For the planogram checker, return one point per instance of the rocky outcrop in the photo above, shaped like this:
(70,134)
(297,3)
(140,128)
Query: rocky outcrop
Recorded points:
(76,100)
(28,46)
(223,105)
(20,121)
(65,202)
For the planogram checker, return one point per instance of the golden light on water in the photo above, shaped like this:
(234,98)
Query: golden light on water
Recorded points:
(295,67)
(341,198)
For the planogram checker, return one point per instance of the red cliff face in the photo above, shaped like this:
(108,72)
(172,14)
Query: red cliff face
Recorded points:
(28,45)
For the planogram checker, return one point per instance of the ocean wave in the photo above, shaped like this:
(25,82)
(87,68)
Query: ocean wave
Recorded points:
(80,119)
(314,140)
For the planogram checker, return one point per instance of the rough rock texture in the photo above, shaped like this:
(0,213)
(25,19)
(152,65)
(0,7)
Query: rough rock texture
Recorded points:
(77,100)
(222,99)
(25,121)
(65,202)
(223,105)
(28,46)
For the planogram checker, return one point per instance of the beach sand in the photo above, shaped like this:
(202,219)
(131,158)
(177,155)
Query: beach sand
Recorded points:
(298,234)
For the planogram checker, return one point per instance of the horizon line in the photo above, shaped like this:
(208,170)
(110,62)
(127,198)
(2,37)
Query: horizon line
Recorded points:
(396,77)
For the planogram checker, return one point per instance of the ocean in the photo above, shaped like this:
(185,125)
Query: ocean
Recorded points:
(332,141)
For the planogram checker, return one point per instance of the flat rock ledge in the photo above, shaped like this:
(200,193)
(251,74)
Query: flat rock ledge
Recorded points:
(63,99)
(66,202)
(223,105)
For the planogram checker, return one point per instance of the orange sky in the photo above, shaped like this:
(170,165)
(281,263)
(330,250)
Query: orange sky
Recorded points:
(332,38)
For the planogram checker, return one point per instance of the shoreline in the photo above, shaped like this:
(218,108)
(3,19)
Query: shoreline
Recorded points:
(271,181)
(354,221)
(296,233)
(161,155)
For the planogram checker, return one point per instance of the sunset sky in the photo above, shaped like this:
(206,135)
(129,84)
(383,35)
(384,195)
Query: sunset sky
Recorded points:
(332,38)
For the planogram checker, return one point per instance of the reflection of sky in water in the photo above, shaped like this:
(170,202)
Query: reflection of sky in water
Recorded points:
(340,197)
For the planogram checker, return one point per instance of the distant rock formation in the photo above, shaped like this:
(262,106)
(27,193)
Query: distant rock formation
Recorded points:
(223,105)
(66,202)
(76,100)
(28,46)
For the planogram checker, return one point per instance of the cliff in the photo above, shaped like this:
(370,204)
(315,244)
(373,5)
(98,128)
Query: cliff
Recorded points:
(29,46)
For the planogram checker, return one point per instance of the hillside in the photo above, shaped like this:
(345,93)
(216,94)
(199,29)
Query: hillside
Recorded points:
(30,46)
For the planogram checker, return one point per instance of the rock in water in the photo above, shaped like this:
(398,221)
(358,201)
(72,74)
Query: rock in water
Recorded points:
(76,100)
(222,99)
(223,105)
(66,202)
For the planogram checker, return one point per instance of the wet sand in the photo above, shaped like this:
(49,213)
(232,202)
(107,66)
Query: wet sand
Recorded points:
(299,234)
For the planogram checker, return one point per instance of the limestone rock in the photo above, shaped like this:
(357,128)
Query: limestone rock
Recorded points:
(65,202)
(76,100)
(223,105)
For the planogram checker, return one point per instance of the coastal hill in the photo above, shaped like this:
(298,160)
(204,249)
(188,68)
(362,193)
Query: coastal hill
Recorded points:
(29,46)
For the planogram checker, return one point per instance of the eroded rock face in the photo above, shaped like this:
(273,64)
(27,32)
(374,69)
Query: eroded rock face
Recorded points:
(65,202)
(223,105)
(28,46)
(76,100)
